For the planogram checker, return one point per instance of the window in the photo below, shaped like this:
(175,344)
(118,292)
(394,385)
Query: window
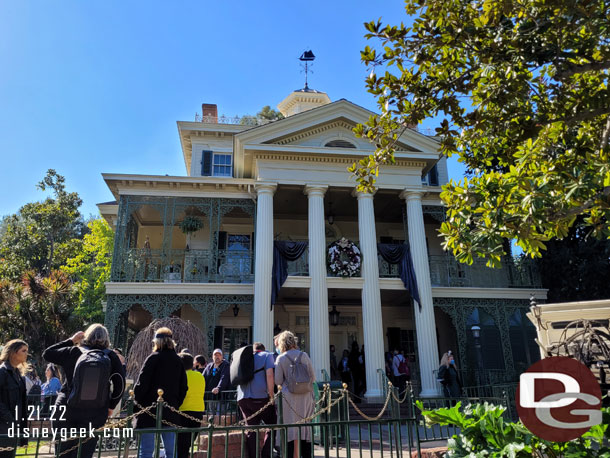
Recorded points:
(340,144)
(222,166)
(431,179)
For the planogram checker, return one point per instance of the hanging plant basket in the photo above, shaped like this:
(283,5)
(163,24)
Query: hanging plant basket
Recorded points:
(344,258)
(191,224)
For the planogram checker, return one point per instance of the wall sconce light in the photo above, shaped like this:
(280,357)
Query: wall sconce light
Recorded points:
(333,316)
(235,310)
(476,331)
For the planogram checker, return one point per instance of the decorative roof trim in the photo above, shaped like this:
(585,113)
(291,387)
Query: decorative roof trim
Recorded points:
(315,131)
(329,159)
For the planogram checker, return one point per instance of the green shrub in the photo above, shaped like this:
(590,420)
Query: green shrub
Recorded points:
(484,433)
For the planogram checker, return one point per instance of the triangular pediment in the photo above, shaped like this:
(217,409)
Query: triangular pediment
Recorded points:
(328,128)
(323,123)
(330,134)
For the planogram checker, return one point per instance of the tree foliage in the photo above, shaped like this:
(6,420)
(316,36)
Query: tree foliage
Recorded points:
(90,267)
(265,115)
(576,268)
(38,309)
(41,234)
(52,268)
(521,91)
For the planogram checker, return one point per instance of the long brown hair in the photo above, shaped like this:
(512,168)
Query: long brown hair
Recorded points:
(9,349)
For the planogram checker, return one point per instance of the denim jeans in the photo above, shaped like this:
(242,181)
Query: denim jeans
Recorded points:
(147,444)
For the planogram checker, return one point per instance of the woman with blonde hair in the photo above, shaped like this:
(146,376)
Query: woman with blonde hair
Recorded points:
(78,352)
(13,395)
(449,377)
(163,369)
(291,370)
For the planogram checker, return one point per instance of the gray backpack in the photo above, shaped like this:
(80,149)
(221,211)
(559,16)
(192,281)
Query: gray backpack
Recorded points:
(297,378)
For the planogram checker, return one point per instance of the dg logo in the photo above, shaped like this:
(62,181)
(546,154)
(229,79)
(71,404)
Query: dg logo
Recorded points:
(559,399)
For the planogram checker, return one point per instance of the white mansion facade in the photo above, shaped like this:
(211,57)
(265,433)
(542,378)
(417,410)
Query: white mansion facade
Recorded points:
(201,247)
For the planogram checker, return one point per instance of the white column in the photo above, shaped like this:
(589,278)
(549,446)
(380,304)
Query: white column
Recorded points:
(318,294)
(371,295)
(424,319)
(263,315)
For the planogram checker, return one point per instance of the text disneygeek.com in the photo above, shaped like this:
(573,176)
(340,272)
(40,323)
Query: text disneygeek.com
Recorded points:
(69,433)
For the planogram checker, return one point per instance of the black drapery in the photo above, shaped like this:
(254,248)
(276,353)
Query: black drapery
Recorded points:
(282,253)
(401,255)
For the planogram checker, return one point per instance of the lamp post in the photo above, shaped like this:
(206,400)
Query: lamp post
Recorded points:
(476,334)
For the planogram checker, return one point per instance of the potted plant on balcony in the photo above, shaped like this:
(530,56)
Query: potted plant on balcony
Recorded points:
(191,224)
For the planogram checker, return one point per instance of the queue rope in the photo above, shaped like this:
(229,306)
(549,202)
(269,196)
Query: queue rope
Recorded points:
(379,415)
(317,412)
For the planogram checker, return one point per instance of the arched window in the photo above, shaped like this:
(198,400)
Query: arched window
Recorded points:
(340,144)
(523,340)
(490,341)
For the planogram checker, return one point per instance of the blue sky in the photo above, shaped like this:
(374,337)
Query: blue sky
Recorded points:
(91,87)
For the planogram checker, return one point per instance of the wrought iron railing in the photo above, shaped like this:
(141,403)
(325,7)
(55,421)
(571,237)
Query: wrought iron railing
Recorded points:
(300,267)
(185,266)
(236,120)
(446,271)
(387,270)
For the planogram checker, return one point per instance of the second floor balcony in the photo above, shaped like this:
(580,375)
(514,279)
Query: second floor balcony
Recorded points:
(186,266)
(237,266)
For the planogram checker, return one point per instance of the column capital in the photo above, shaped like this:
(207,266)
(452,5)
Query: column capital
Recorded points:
(265,187)
(412,193)
(362,195)
(313,189)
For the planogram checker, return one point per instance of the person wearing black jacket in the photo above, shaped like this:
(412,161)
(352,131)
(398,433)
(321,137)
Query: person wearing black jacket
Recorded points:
(13,396)
(164,370)
(217,380)
(66,354)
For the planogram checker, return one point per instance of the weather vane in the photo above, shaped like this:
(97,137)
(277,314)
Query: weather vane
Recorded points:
(307,57)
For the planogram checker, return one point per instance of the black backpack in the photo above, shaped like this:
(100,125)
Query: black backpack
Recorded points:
(242,366)
(91,382)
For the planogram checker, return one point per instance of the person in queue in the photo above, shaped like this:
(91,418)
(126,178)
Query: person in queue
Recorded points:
(258,394)
(199,363)
(13,395)
(217,377)
(163,369)
(297,406)
(449,376)
(52,385)
(193,404)
(72,355)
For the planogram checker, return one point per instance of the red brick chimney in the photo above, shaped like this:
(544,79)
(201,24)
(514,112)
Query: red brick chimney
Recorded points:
(209,112)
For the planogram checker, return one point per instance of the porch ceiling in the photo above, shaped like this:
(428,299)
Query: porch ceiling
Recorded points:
(291,200)
(300,296)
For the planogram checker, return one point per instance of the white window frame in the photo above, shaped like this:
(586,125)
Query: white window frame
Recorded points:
(224,166)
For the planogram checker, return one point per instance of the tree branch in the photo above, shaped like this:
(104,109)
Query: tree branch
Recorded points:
(605,134)
(572,69)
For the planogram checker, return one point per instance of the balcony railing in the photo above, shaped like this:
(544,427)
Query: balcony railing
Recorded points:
(300,267)
(237,266)
(387,270)
(186,266)
(446,271)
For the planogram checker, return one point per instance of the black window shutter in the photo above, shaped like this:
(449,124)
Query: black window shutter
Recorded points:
(433,176)
(206,163)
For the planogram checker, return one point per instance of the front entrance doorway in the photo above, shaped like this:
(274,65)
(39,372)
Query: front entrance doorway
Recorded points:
(233,338)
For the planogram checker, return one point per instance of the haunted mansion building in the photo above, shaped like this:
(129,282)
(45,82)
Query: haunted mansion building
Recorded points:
(267,232)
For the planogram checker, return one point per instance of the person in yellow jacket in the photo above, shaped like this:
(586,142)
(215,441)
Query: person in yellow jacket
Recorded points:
(192,405)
